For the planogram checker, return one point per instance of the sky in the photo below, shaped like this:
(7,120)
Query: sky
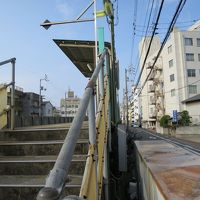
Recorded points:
(21,36)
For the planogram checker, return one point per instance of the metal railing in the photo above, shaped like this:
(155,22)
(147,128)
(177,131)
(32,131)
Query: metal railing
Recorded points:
(55,181)
(12,106)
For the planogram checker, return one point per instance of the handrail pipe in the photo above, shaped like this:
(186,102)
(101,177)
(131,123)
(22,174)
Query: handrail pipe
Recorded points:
(55,182)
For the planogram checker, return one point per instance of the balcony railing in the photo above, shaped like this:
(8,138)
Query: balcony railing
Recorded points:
(152,114)
(151,88)
(152,100)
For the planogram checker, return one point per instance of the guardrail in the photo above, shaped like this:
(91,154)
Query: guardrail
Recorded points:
(12,107)
(55,181)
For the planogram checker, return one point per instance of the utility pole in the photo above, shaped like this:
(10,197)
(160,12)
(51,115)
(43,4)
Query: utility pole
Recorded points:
(65,105)
(40,96)
(126,94)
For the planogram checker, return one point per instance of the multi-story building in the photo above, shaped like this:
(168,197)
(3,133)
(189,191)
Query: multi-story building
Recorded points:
(135,107)
(30,104)
(69,105)
(175,77)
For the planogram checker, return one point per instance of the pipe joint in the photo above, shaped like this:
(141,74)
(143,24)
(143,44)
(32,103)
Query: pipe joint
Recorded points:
(56,179)
(48,193)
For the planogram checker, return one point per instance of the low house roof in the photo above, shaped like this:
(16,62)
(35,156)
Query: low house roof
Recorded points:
(192,99)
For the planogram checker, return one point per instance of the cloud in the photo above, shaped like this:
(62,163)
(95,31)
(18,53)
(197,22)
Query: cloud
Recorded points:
(65,8)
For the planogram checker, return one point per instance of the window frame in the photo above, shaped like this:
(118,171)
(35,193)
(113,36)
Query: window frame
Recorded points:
(172,63)
(186,57)
(169,49)
(191,89)
(170,77)
(173,92)
(186,39)
(198,42)
(191,72)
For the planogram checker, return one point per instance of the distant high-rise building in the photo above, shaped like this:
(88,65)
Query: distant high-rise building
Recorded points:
(69,105)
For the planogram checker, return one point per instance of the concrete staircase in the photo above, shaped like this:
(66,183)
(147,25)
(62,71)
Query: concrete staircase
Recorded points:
(27,156)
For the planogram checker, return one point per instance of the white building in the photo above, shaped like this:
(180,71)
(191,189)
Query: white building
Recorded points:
(175,78)
(135,107)
(69,105)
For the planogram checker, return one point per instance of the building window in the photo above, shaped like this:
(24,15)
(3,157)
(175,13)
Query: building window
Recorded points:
(171,77)
(192,89)
(171,63)
(191,73)
(198,42)
(188,42)
(189,57)
(198,57)
(169,49)
(172,92)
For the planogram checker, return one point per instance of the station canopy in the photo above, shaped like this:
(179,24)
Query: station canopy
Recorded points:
(81,53)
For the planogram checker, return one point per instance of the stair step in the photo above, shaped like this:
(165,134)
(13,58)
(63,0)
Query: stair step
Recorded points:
(27,155)
(40,165)
(48,158)
(35,181)
(25,148)
(27,187)
(39,134)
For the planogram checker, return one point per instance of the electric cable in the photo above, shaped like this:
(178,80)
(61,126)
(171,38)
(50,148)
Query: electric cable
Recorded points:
(173,21)
(151,39)
(147,27)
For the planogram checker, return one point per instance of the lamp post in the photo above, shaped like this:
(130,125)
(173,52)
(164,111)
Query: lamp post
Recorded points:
(40,97)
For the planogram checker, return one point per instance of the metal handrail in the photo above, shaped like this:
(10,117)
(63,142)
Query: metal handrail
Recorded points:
(57,177)
(12,61)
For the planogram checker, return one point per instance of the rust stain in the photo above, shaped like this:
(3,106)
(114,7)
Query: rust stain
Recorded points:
(175,170)
(182,182)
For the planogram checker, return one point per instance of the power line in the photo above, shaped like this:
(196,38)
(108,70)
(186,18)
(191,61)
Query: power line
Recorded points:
(173,21)
(180,88)
(147,27)
(163,28)
(167,23)
(148,50)
(134,27)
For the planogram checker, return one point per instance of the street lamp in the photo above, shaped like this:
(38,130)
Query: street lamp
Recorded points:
(41,88)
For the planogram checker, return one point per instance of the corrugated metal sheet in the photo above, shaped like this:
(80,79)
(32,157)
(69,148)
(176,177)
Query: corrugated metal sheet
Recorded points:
(81,53)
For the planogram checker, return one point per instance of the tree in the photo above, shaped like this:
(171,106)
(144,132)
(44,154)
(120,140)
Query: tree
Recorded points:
(164,121)
(185,118)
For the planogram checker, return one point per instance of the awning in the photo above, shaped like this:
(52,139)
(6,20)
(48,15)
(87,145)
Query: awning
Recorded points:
(81,53)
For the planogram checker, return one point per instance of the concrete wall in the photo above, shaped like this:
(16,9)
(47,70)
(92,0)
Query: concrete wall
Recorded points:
(187,130)
(34,121)
(148,186)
